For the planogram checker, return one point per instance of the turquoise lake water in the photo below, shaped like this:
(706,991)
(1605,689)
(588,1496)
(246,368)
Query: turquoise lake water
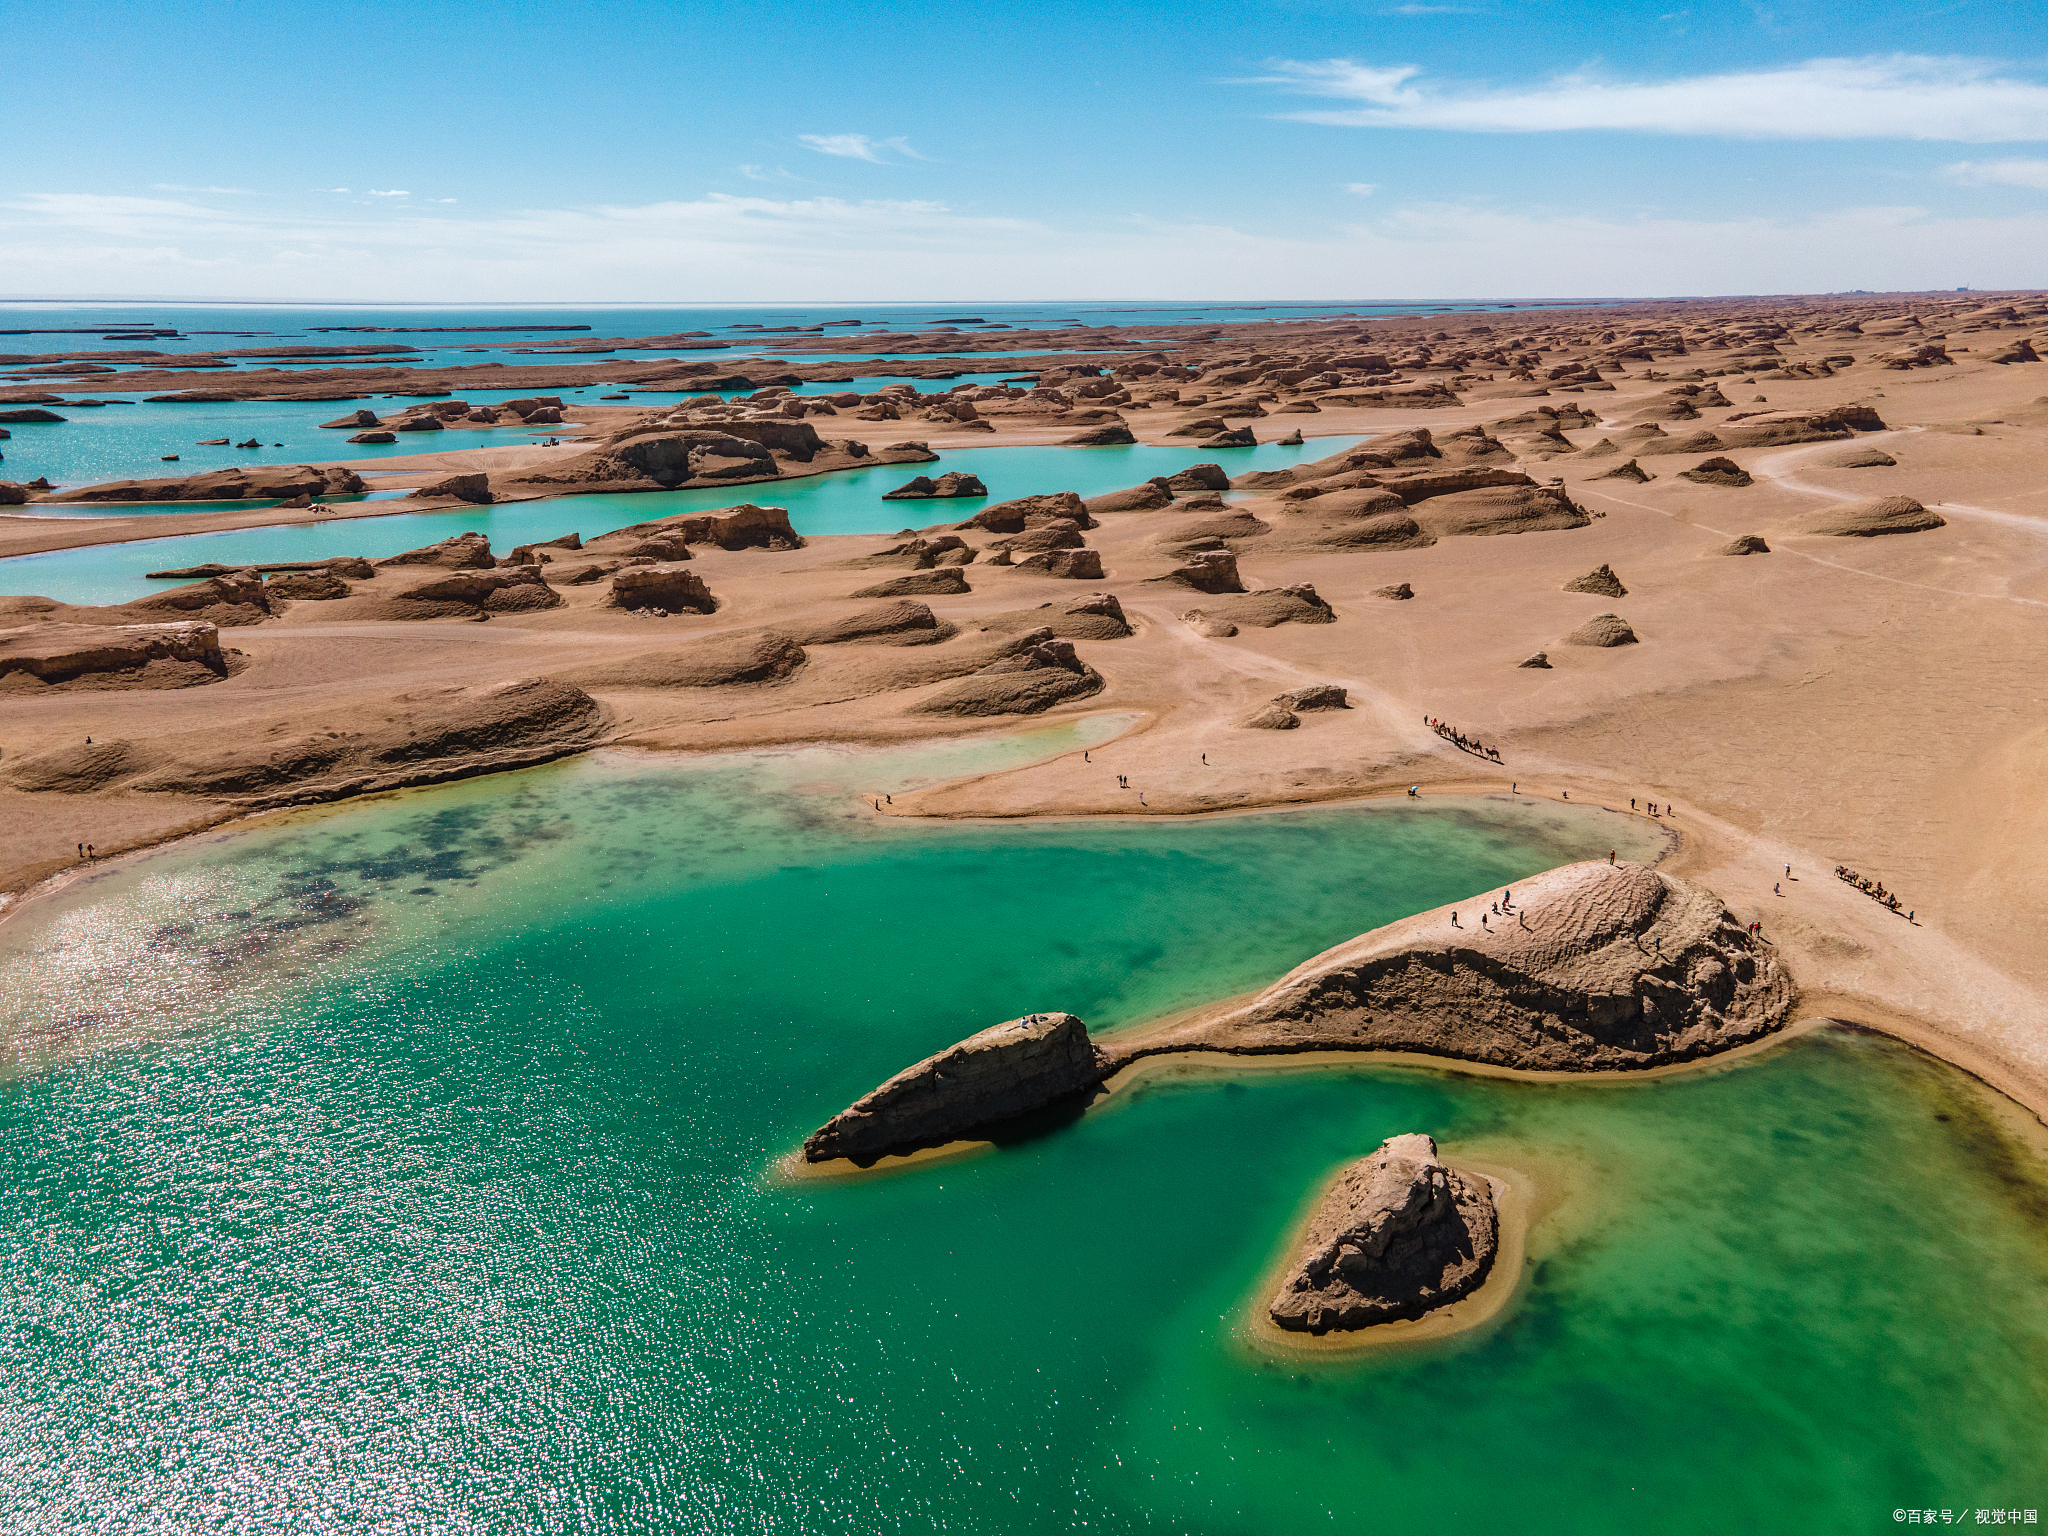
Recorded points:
(411,1167)
(94,444)
(846,502)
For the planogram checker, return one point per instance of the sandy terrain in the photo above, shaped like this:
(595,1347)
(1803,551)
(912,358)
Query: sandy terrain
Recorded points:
(1873,702)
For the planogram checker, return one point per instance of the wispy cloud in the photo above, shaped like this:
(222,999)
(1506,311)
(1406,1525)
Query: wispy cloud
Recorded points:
(1362,188)
(394,193)
(1899,97)
(858,146)
(172,186)
(2000,173)
(781,174)
(727,248)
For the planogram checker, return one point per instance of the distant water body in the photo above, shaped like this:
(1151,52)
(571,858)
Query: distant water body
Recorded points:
(410,1167)
(848,501)
(127,441)
(40,328)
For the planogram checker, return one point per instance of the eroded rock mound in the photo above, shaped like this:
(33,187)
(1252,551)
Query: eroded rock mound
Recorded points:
(1605,631)
(902,622)
(1027,682)
(1398,1235)
(1875,518)
(1271,717)
(425,738)
(1211,570)
(1717,471)
(924,488)
(719,661)
(941,581)
(1264,609)
(1000,1073)
(90,656)
(1149,497)
(1601,582)
(1598,967)
(742,527)
(1314,697)
(1031,512)
(1746,544)
(470,487)
(1858,458)
(670,586)
(465,551)
(1098,616)
(257,482)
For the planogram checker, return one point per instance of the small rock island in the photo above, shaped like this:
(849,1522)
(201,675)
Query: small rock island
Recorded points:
(1004,1071)
(1399,1234)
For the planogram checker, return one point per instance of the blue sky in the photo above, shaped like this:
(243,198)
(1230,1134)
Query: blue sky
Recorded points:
(760,150)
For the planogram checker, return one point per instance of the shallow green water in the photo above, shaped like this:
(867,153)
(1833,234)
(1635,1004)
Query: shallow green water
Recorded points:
(408,1168)
(849,501)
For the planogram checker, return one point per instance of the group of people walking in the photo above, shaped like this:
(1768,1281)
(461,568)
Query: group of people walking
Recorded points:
(1874,889)
(1459,740)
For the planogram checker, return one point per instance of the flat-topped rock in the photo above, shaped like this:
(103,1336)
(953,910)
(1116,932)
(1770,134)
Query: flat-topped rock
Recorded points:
(41,656)
(1398,1235)
(1001,1072)
(1598,967)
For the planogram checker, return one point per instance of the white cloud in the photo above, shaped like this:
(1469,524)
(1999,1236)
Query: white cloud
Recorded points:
(375,193)
(330,189)
(858,146)
(758,248)
(1899,97)
(171,186)
(1362,188)
(2000,173)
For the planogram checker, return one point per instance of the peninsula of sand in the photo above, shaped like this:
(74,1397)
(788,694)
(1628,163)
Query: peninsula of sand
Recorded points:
(1771,572)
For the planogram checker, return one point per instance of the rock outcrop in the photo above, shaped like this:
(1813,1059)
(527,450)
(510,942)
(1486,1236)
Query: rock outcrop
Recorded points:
(1717,471)
(718,661)
(1599,582)
(924,487)
(1264,609)
(902,622)
(1031,512)
(669,586)
(1597,967)
(426,738)
(941,581)
(1098,616)
(465,593)
(1211,570)
(1008,1070)
(1603,631)
(1028,682)
(261,482)
(462,552)
(1315,696)
(1876,518)
(469,487)
(1399,1234)
(85,656)
(742,527)
(1746,544)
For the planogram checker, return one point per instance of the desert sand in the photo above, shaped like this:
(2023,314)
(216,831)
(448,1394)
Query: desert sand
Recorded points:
(1862,691)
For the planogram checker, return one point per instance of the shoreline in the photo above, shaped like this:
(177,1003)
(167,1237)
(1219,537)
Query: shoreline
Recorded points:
(1817,1007)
